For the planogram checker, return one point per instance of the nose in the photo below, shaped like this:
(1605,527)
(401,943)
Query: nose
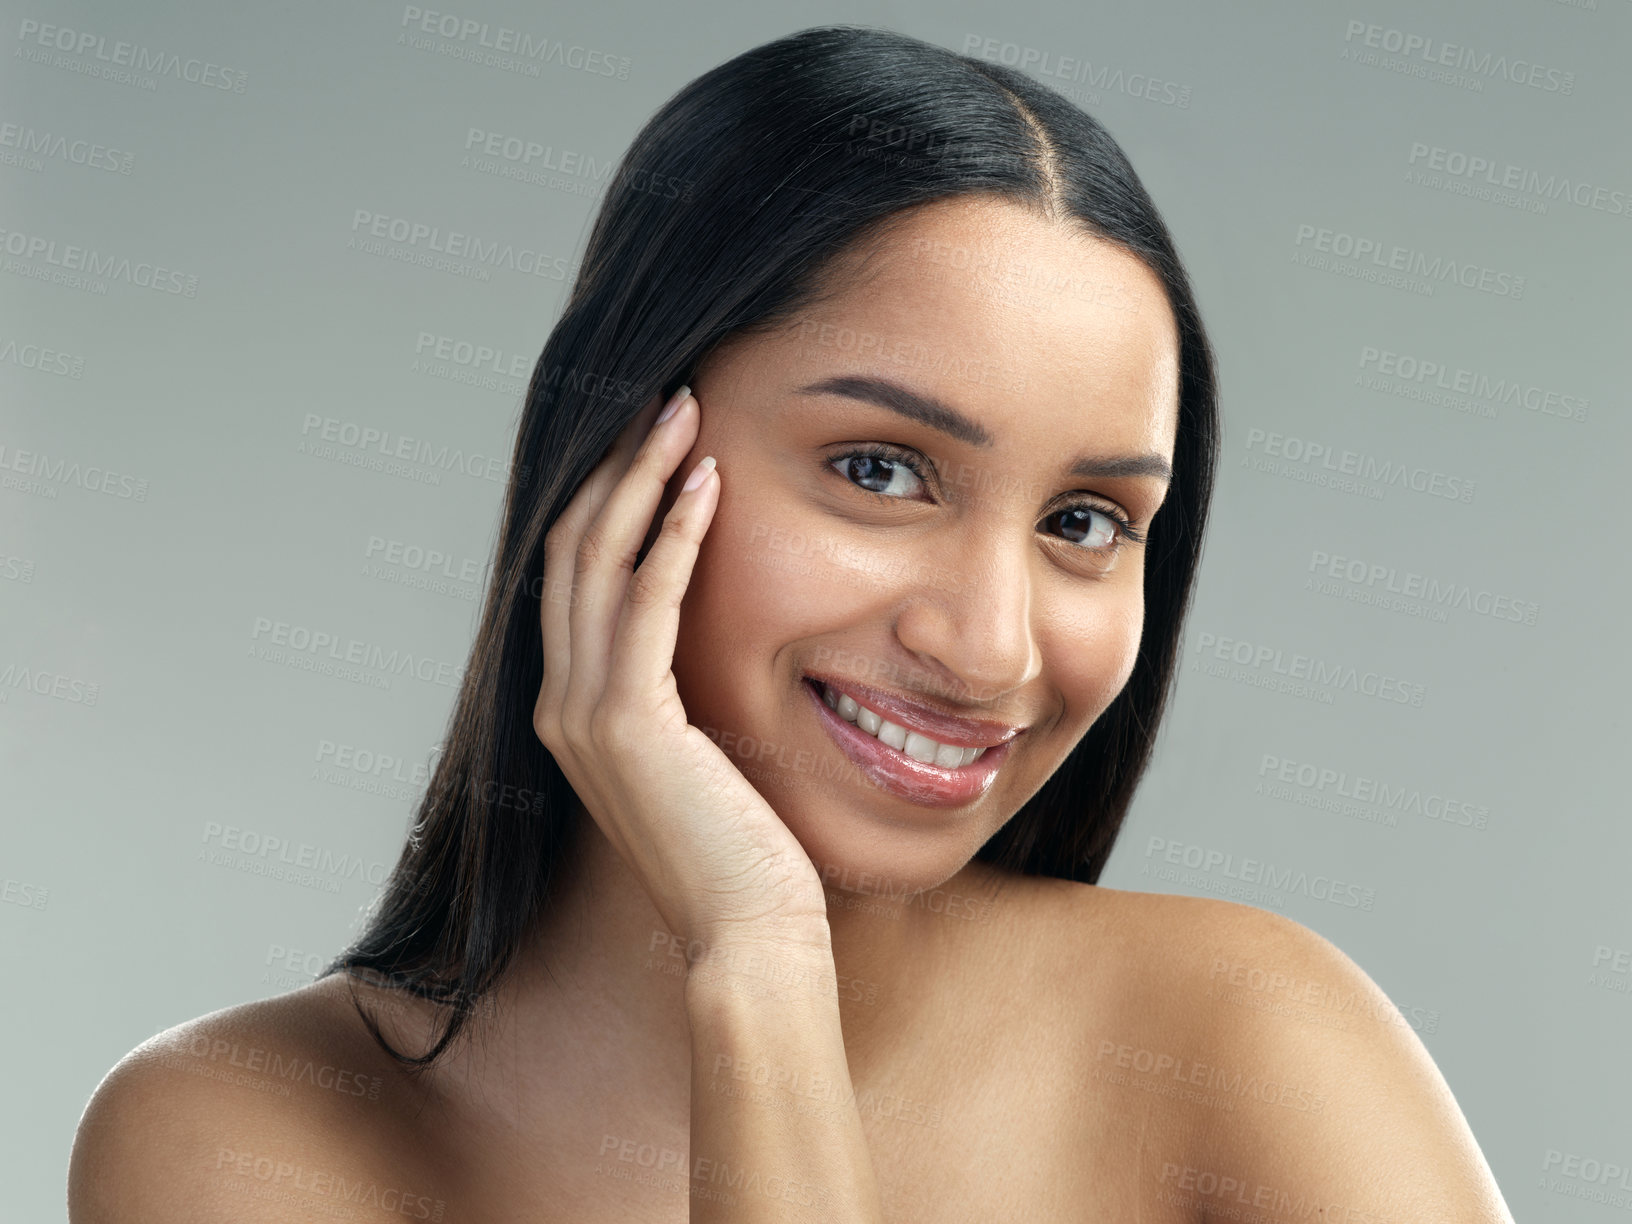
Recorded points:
(970,620)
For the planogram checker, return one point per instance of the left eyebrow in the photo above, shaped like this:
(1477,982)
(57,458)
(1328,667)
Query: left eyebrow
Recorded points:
(937,415)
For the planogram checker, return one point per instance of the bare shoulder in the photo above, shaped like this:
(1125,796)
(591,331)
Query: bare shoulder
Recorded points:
(261,1111)
(1306,1083)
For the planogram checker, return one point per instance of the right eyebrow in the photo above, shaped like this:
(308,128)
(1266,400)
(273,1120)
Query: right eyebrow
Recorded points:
(940,416)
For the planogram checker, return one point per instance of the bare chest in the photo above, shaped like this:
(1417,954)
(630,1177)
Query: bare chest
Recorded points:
(982,1123)
(992,1102)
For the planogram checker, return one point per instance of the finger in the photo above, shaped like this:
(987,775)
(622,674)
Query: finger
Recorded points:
(558,590)
(591,497)
(649,615)
(605,556)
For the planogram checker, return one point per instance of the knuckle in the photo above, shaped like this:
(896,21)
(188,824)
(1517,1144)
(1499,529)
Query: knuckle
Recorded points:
(647,587)
(591,548)
(547,725)
(676,523)
(608,730)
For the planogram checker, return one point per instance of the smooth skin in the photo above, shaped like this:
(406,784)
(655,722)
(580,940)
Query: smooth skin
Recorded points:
(715,859)
(1026,1049)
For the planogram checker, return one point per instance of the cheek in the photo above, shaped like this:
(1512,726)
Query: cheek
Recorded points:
(759,587)
(1093,650)
(754,573)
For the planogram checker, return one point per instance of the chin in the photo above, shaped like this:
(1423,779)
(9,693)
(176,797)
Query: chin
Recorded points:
(874,850)
(872,821)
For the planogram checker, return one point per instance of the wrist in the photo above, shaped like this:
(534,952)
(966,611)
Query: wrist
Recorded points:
(780,964)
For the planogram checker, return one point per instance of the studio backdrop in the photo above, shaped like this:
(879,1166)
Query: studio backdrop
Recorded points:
(273,279)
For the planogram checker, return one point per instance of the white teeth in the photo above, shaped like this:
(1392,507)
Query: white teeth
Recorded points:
(922,748)
(918,747)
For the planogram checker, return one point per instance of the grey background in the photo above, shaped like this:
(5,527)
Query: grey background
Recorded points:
(124,914)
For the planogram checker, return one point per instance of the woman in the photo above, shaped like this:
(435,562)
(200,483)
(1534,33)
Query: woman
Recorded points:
(859,493)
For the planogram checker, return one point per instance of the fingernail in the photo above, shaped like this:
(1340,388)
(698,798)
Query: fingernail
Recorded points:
(674,404)
(698,475)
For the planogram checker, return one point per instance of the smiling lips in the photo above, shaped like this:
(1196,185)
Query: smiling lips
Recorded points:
(918,747)
(889,739)
(913,729)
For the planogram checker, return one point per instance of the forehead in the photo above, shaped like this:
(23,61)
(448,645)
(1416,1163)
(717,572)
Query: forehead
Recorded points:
(1007,314)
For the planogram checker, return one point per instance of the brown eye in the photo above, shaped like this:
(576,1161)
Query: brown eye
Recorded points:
(1076,523)
(885,474)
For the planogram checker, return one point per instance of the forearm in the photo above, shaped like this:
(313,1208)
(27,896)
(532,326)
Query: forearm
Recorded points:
(775,1132)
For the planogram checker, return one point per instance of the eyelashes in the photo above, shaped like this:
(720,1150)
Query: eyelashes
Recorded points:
(882,454)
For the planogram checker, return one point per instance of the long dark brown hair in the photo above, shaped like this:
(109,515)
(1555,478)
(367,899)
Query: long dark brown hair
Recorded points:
(721,219)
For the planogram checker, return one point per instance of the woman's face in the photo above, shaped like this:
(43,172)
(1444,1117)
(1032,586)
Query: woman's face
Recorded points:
(986,587)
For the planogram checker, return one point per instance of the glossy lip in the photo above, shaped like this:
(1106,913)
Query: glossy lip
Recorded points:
(899,774)
(904,712)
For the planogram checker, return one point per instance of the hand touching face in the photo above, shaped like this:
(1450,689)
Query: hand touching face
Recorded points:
(933,495)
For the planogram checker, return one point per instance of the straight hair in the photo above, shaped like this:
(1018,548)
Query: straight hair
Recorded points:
(722,219)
